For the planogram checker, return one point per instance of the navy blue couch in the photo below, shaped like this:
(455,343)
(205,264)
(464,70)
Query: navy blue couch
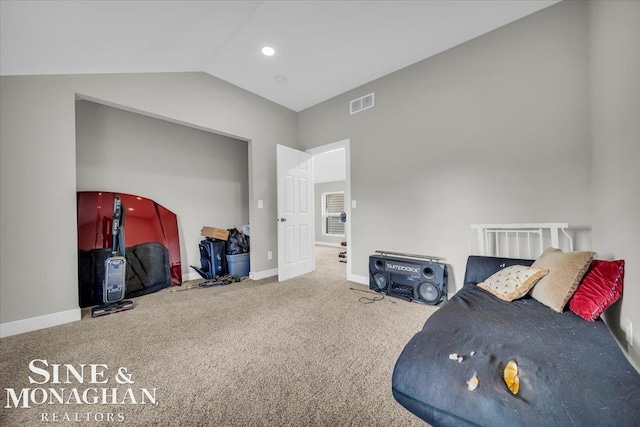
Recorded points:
(572,372)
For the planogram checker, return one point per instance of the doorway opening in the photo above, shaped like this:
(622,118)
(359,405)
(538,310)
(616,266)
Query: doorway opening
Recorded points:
(332,199)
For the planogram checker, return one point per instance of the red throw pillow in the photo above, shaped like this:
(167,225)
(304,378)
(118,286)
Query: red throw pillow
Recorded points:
(600,287)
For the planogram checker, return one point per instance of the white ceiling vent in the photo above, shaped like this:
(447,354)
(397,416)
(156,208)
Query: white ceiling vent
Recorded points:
(362,103)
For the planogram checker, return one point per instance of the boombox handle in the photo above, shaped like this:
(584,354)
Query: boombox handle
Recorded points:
(402,254)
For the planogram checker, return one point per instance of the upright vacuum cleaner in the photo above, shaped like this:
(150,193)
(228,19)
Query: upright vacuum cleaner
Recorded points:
(115,269)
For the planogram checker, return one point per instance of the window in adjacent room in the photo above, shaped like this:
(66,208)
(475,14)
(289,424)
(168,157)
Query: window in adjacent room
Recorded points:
(332,207)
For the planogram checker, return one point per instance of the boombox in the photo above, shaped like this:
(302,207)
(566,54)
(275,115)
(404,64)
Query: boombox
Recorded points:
(423,281)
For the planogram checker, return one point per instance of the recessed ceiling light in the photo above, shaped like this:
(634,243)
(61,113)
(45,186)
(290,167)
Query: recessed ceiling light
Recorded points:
(268,51)
(281,79)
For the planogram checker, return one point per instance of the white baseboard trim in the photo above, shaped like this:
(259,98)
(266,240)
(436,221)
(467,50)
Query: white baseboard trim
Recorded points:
(40,322)
(258,275)
(333,245)
(363,280)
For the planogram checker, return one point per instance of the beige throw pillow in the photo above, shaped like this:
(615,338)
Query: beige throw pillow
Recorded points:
(565,272)
(513,282)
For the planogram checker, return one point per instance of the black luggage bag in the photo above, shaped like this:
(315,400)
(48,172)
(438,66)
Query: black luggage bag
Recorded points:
(148,270)
(213,259)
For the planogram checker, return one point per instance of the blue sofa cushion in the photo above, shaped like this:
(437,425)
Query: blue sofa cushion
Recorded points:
(572,372)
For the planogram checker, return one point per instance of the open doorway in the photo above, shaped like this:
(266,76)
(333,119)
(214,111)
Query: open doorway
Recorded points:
(332,200)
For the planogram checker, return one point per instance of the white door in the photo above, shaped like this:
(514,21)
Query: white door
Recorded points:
(295,213)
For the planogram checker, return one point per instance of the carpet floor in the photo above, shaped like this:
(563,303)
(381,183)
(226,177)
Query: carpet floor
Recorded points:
(304,352)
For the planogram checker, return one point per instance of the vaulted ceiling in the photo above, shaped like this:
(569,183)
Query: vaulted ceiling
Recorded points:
(323,48)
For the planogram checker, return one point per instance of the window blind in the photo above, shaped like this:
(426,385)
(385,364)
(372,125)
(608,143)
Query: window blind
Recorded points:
(333,207)
(334,203)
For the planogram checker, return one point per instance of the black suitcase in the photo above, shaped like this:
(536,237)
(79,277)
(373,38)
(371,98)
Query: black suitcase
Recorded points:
(148,270)
(213,259)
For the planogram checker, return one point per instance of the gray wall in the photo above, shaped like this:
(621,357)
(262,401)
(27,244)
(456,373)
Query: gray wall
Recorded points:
(38,169)
(536,121)
(492,131)
(201,176)
(615,107)
(326,187)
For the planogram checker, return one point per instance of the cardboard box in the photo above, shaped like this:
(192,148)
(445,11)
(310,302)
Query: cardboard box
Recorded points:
(216,233)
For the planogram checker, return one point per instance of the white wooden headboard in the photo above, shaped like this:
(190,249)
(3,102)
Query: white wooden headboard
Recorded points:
(518,240)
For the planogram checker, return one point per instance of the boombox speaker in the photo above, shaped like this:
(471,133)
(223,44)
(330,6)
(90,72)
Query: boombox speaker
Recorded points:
(423,281)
